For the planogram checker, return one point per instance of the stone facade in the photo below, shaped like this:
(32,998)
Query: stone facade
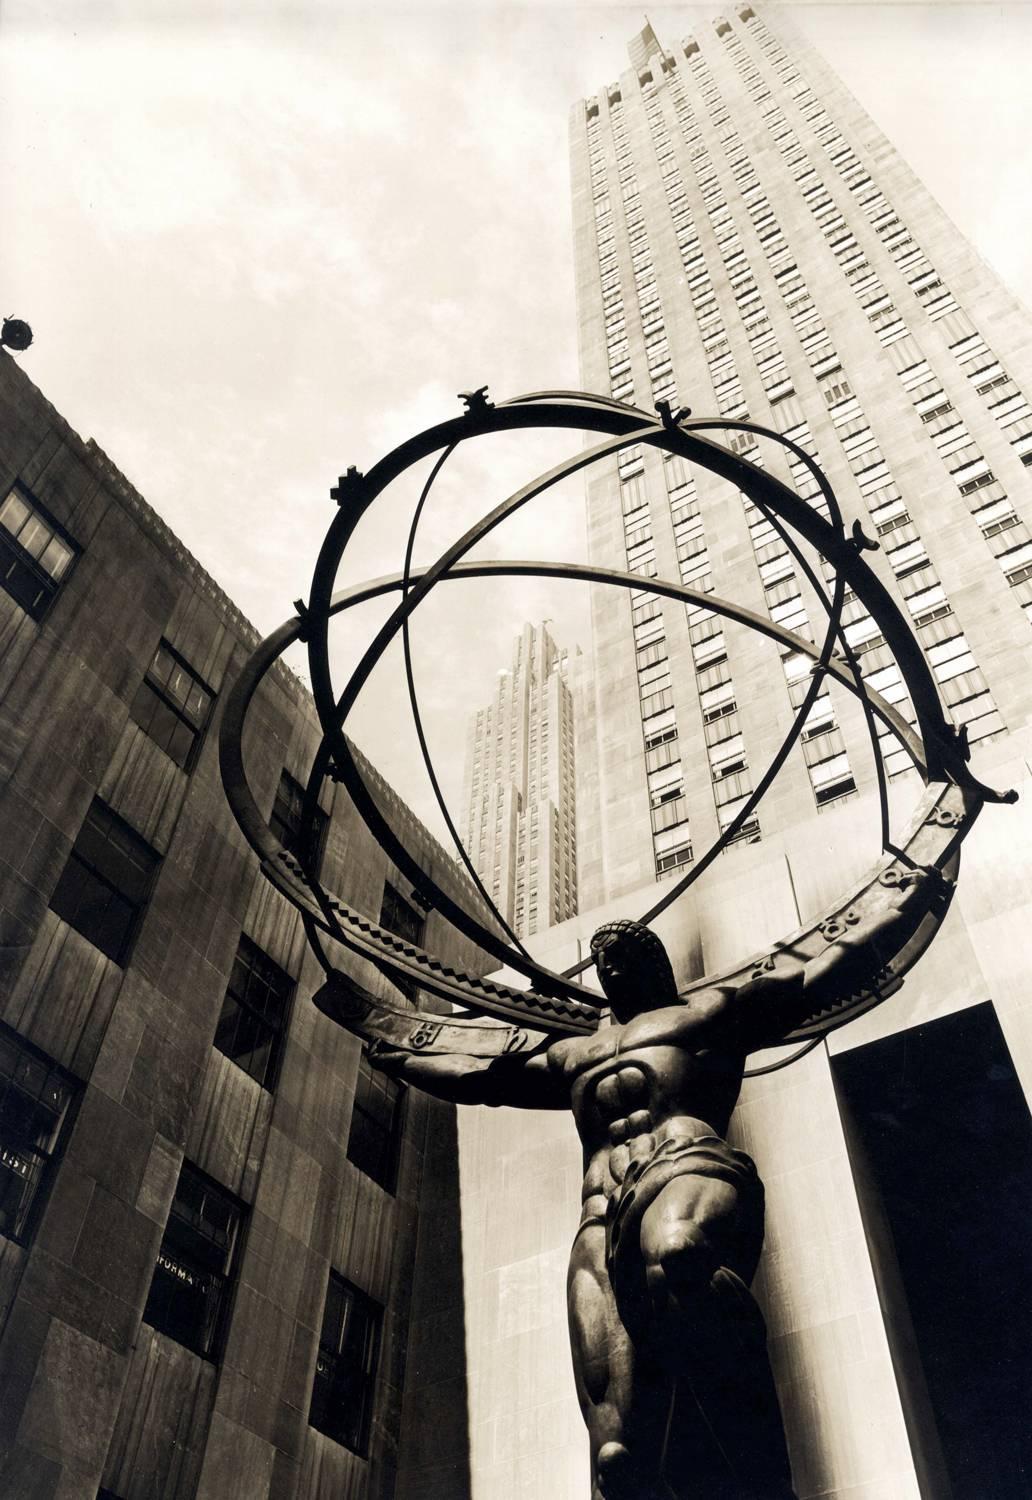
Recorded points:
(91,1395)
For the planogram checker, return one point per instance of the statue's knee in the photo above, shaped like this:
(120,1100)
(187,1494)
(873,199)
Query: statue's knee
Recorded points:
(615,1473)
(681,1257)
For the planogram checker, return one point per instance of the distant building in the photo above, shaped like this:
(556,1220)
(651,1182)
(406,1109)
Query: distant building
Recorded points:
(518,797)
(215,1276)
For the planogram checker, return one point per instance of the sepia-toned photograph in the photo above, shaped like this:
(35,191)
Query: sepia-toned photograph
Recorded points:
(515,750)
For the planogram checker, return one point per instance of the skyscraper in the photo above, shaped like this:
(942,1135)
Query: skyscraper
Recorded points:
(748,243)
(518,800)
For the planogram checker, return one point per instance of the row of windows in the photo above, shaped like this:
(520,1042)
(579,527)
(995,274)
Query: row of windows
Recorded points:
(950,436)
(107,879)
(671,844)
(103,891)
(776,567)
(36,554)
(1011,411)
(198,1260)
(906,556)
(621,381)
(670,823)
(172,704)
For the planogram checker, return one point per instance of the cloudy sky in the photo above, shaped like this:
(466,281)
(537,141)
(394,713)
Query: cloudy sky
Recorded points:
(259,242)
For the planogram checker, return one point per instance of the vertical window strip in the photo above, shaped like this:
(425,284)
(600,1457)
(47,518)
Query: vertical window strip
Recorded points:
(873,474)
(925,281)
(621,384)
(772,558)
(863,455)
(671,836)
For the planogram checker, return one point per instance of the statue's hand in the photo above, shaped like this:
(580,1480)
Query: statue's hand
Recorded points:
(450,1076)
(387,1058)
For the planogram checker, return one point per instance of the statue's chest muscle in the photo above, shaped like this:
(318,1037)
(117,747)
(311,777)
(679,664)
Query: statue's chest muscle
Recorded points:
(575,1057)
(671,1027)
(662,1028)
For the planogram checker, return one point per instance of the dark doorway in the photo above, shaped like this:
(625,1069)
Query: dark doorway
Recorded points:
(941,1139)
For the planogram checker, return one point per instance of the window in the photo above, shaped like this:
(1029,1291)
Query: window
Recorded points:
(907,558)
(727,757)
(832,779)
(654,678)
(749,833)
(172,705)
(717,701)
(189,1295)
(253,1022)
(673,859)
(104,887)
(659,728)
(401,918)
(35,1096)
(376,1118)
(34,554)
(950,657)
(1016,560)
(287,821)
(345,1369)
(666,783)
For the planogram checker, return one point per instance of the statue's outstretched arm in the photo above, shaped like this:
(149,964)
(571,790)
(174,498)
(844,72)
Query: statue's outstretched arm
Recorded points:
(789,990)
(522,1082)
(463,1060)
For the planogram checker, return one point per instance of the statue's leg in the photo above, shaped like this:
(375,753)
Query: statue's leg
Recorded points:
(700,1243)
(603,1367)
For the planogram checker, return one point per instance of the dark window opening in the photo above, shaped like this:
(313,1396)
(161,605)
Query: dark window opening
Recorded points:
(398,916)
(190,1293)
(749,833)
(660,737)
(35,1097)
(834,791)
(172,705)
(104,886)
(940,1139)
(674,859)
(345,1371)
(288,824)
(35,554)
(253,1021)
(375,1137)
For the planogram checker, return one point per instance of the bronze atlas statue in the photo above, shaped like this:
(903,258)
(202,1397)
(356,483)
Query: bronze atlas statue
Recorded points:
(669,1347)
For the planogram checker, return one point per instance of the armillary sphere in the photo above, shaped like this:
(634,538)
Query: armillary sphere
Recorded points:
(498,1017)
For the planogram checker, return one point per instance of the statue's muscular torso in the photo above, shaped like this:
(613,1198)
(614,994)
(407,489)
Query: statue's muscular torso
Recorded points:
(666,1073)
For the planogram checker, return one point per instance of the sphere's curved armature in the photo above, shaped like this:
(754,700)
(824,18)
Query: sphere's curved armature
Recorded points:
(555,1004)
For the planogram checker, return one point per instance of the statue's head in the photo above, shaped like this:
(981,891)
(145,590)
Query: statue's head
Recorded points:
(633,968)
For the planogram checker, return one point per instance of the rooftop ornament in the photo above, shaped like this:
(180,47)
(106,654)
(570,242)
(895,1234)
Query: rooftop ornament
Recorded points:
(16,335)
